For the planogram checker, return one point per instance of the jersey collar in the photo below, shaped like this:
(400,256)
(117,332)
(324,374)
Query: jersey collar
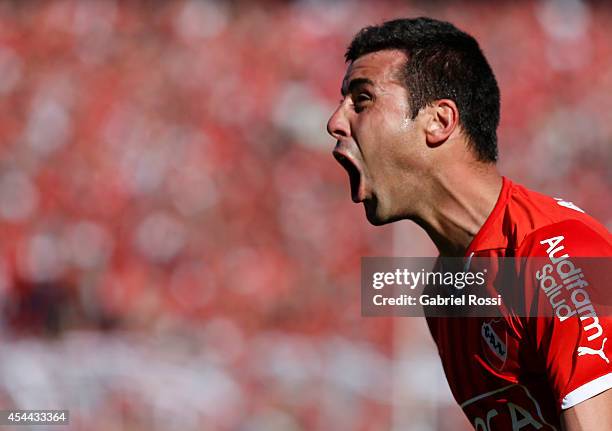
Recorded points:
(491,228)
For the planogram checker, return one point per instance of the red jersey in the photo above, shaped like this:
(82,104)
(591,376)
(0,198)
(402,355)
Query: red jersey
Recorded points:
(517,372)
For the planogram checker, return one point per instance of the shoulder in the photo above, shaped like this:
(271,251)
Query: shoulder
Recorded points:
(521,218)
(572,236)
(539,223)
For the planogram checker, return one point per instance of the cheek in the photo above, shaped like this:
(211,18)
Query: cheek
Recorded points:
(382,135)
(384,126)
(394,119)
(395,133)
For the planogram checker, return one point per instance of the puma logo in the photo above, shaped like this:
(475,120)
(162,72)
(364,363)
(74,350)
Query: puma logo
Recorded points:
(588,351)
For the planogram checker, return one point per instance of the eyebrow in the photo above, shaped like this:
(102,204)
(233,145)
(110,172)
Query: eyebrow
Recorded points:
(354,83)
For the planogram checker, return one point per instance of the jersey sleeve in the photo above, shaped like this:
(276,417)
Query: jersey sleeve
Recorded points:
(567,273)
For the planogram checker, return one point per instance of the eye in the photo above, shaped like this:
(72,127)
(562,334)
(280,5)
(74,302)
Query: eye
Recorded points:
(361,101)
(363,97)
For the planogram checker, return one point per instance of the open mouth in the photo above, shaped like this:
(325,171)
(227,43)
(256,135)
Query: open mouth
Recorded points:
(357,194)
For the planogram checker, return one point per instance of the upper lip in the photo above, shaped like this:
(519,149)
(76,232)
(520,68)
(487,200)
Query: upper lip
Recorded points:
(341,151)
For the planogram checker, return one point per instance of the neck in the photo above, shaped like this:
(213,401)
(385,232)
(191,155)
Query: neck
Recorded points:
(462,200)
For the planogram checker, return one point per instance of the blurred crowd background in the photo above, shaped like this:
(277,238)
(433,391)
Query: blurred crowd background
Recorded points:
(178,248)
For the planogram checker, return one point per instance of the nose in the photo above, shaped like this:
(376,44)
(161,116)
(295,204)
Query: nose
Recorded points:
(338,125)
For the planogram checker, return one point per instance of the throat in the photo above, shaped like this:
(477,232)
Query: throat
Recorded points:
(459,215)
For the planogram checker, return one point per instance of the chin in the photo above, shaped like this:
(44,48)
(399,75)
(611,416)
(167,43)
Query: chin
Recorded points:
(375,214)
(374,220)
(379,215)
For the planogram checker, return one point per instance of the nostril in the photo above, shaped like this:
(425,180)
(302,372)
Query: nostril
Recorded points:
(332,128)
(337,131)
(338,134)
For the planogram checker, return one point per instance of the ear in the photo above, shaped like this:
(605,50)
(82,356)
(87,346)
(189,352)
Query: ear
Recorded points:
(442,121)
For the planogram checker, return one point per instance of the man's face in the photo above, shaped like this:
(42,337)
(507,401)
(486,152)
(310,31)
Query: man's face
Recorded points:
(377,142)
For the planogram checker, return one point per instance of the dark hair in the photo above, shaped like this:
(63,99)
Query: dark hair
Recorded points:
(443,63)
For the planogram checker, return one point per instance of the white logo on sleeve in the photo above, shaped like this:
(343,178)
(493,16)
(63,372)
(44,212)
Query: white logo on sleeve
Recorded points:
(567,204)
(588,351)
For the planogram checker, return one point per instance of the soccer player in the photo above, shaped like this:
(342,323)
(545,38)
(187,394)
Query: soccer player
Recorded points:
(416,132)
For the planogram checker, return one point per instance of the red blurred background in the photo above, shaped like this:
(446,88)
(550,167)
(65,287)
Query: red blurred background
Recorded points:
(178,247)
